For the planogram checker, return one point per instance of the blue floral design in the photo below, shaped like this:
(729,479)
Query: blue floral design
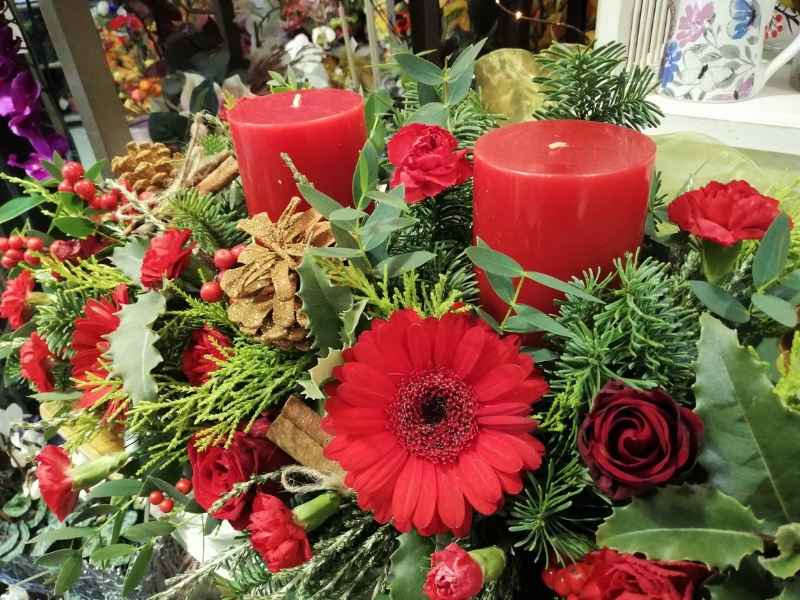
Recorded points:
(670,66)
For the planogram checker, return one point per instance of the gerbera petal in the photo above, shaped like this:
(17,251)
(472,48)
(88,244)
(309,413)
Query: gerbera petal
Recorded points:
(419,347)
(467,353)
(478,478)
(407,489)
(525,446)
(426,506)
(511,424)
(357,420)
(450,501)
(498,454)
(499,381)
(359,372)
(358,393)
(506,408)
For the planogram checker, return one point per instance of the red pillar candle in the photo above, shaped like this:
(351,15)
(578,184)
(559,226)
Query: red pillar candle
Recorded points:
(560,197)
(322,131)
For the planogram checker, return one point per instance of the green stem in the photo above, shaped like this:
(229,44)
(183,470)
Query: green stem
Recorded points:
(513,303)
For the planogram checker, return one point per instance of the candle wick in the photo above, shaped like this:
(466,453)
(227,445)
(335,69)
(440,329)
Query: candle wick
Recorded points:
(555,145)
(296,101)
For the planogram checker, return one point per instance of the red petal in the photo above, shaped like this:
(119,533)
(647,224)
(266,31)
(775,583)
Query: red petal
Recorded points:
(498,454)
(407,489)
(426,506)
(479,479)
(511,424)
(419,347)
(468,352)
(499,381)
(450,500)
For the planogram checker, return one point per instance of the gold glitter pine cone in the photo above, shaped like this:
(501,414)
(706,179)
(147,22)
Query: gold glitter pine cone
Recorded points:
(147,167)
(263,291)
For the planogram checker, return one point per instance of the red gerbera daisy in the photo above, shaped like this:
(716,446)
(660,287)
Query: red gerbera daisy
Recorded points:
(36,360)
(430,419)
(14,304)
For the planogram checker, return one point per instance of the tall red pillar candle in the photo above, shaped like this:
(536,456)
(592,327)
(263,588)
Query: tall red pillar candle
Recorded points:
(560,197)
(322,131)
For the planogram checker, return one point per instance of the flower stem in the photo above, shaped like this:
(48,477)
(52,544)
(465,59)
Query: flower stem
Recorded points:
(513,302)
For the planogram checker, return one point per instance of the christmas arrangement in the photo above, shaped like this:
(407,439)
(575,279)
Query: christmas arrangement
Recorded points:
(370,382)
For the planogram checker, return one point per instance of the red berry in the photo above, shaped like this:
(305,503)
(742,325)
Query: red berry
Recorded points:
(8,263)
(31,258)
(94,203)
(166,506)
(14,254)
(224,259)
(108,202)
(575,576)
(156,497)
(549,575)
(72,171)
(125,183)
(66,186)
(237,250)
(560,586)
(4,244)
(17,242)
(34,243)
(211,292)
(778,18)
(85,189)
(146,196)
(184,486)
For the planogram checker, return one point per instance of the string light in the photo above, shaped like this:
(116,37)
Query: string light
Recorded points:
(520,17)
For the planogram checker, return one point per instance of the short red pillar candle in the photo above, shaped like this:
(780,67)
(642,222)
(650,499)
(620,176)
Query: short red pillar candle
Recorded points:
(560,197)
(322,131)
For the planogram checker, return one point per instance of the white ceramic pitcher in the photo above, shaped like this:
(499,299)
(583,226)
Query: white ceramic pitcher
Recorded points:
(714,50)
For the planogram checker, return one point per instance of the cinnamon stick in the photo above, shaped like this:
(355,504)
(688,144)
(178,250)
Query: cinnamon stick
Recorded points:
(220,178)
(206,168)
(300,446)
(306,419)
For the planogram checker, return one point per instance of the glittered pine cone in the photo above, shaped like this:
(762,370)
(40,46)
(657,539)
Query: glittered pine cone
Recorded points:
(263,291)
(147,167)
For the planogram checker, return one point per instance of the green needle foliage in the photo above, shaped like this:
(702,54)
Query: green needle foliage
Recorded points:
(212,218)
(214,144)
(55,322)
(584,83)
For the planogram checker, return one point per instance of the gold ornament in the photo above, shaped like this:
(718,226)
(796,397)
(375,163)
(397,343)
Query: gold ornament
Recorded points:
(263,292)
(147,167)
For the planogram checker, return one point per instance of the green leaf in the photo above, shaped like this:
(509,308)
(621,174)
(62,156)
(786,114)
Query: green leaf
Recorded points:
(347,214)
(18,548)
(386,226)
(117,487)
(144,532)
(561,286)
(773,251)
(529,320)
(690,522)
(749,582)
(458,89)
(395,265)
(69,574)
(111,552)
(503,286)
(719,301)
(204,98)
(65,533)
(57,396)
(57,160)
(56,558)
(775,308)
(377,235)
(322,304)
(336,252)
(95,172)
(324,205)
(427,93)
(366,175)
(128,258)
(17,506)
(132,346)
(167,127)
(55,172)
(19,206)
(138,569)
(10,534)
(396,198)
(792,280)
(77,227)
(95,511)
(350,319)
(788,563)
(751,440)
(409,566)
(791,591)
(419,69)
(434,113)
(495,262)
(465,63)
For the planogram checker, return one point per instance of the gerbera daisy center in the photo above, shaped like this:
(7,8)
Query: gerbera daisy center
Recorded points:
(433,415)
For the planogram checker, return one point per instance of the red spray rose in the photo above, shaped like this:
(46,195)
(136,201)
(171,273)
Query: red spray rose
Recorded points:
(166,257)
(14,303)
(426,160)
(203,353)
(724,213)
(217,469)
(454,575)
(36,360)
(633,441)
(74,250)
(275,534)
(54,482)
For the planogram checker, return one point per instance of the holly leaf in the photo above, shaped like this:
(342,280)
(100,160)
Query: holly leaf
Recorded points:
(128,258)
(690,522)
(409,566)
(132,350)
(323,304)
(318,375)
(751,440)
(748,582)
(788,563)
(350,319)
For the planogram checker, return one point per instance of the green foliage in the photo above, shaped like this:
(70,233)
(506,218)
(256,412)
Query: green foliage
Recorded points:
(788,563)
(323,304)
(751,438)
(409,565)
(584,83)
(212,218)
(214,144)
(788,386)
(701,523)
(88,275)
(55,322)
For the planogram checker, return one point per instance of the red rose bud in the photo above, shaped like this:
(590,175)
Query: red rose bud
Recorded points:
(166,257)
(458,575)
(314,513)
(426,160)
(203,354)
(275,535)
(633,441)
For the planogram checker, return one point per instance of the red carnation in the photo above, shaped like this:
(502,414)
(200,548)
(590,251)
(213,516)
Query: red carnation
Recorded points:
(54,482)
(217,468)
(426,160)
(203,354)
(431,420)
(454,575)
(724,213)
(275,534)
(14,303)
(36,360)
(166,257)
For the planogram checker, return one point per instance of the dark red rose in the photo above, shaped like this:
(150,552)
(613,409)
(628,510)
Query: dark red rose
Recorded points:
(426,160)
(454,575)
(36,360)
(218,468)
(54,482)
(633,441)
(724,213)
(275,534)
(166,257)
(73,250)
(14,303)
(203,354)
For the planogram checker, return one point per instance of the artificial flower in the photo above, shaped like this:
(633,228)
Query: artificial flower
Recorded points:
(454,575)
(54,482)
(15,301)
(275,534)
(203,354)
(72,251)
(217,468)
(426,160)
(36,359)
(633,440)
(166,257)
(431,420)
(724,213)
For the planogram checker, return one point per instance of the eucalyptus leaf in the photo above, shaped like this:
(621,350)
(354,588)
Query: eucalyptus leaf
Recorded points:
(419,69)
(386,225)
(427,93)
(773,251)
(458,89)
(335,252)
(465,63)
(395,199)
(502,285)
(531,320)
(397,264)
(347,214)
(561,286)
(434,113)
(322,203)
(719,301)
(775,308)
(495,262)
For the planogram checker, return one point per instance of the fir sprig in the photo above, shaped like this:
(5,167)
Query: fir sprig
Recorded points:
(55,322)
(212,218)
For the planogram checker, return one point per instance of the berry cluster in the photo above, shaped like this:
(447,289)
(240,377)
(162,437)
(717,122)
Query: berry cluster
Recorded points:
(165,505)
(224,259)
(75,183)
(16,248)
(568,581)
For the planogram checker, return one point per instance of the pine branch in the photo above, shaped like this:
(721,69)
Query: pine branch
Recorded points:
(212,218)
(55,322)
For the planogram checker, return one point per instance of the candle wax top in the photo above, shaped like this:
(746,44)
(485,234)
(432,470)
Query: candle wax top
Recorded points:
(284,108)
(563,147)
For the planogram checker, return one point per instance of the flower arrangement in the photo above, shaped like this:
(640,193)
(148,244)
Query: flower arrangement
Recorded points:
(325,386)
